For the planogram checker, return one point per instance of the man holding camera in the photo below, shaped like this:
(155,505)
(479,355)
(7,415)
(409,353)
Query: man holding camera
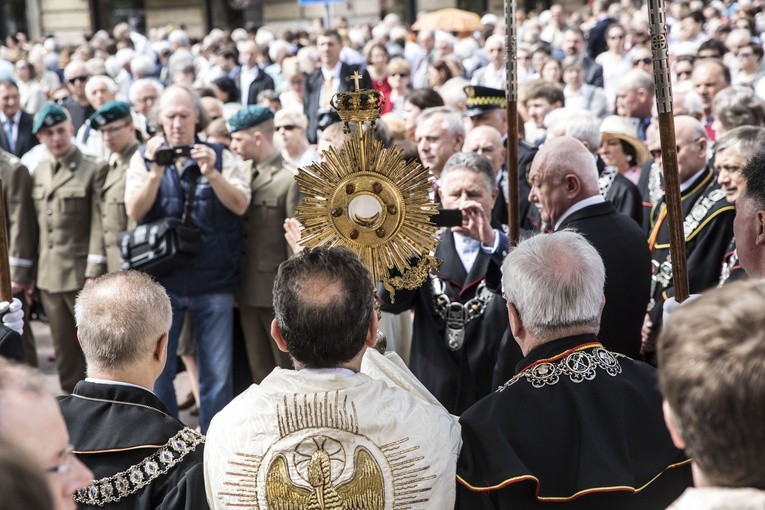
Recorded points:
(66,191)
(158,183)
(115,123)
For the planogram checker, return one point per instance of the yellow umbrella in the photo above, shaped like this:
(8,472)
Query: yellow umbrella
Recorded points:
(450,20)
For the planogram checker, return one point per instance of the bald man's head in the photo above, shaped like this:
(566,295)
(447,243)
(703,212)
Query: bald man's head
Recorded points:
(486,141)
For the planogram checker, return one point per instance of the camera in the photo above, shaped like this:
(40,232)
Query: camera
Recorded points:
(166,155)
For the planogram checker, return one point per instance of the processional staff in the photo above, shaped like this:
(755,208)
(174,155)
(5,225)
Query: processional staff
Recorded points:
(662,78)
(511,42)
(5,267)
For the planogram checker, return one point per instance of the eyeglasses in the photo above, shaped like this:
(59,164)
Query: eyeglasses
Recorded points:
(66,461)
(656,153)
(639,61)
(286,127)
(400,75)
(114,129)
(75,79)
(732,169)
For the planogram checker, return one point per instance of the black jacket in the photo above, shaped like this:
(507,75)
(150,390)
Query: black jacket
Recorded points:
(25,140)
(261,82)
(621,244)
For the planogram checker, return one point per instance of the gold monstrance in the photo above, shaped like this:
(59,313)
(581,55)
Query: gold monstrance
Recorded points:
(369,199)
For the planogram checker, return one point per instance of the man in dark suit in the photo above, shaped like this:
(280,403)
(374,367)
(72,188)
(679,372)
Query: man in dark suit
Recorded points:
(332,77)
(250,77)
(573,44)
(458,321)
(15,122)
(118,427)
(564,181)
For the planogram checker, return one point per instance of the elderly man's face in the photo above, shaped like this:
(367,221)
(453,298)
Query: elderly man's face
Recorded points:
(549,196)
(100,95)
(145,99)
(435,144)
(178,117)
(290,135)
(486,145)
(707,81)
(76,77)
(34,422)
(460,186)
(627,101)
(729,164)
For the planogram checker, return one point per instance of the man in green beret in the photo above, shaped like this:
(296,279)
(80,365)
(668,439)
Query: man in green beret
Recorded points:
(66,191)
(274,199)
(115,123)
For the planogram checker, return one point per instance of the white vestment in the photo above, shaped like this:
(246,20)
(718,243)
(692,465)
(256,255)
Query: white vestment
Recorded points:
(326,441)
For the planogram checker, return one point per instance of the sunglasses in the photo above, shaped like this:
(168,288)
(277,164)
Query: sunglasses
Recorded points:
(75,79)
(286,127)
(639,61)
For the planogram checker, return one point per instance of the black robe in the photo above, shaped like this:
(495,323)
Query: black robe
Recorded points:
(456,378)
(114,427)
(577,428)
(621,244)
(624,194)
(705,246)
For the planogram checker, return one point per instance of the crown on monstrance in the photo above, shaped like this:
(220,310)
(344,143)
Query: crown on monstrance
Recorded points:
(358,106)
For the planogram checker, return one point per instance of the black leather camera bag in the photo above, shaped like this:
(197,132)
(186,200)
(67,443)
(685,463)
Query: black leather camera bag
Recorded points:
(162,246)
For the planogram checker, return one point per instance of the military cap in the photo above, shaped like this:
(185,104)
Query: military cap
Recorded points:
(108,113)
(248,117)
(482,99)
(49,115)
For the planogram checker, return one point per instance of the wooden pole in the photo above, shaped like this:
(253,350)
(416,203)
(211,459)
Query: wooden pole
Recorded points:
(5,267)
(663,80)
(511,56)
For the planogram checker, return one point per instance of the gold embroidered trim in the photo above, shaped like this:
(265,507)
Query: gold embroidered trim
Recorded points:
(121,485)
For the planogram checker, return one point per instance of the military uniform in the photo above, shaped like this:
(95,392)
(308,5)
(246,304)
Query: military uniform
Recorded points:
(141,457)
(708,225)
(274,198)
(113,213)
(66,195)
(22,233)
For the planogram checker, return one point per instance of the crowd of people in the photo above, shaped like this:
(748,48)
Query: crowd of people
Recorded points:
(558,373)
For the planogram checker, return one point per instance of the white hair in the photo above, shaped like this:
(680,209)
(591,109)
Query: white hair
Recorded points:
(580,124)
(100,79)
(279,49)
(119,317)
(179,38)
(139,84)
(555,282)
(142,65)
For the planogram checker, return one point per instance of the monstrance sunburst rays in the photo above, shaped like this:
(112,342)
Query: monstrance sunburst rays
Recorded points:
(369,199)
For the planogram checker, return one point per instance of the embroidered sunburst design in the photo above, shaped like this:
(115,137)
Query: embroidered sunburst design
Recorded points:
(322,461)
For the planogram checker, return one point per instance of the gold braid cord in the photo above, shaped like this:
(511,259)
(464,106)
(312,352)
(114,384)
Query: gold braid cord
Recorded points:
(369,199)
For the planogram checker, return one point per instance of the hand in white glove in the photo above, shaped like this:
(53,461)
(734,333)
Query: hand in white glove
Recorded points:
(671,304)
(13,315)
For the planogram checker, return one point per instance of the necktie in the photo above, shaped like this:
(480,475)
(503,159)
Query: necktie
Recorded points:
(328,89)
(9,135)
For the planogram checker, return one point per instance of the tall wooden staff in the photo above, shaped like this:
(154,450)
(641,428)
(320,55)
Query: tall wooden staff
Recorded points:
(511,43)
(662,78)
(5,267)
